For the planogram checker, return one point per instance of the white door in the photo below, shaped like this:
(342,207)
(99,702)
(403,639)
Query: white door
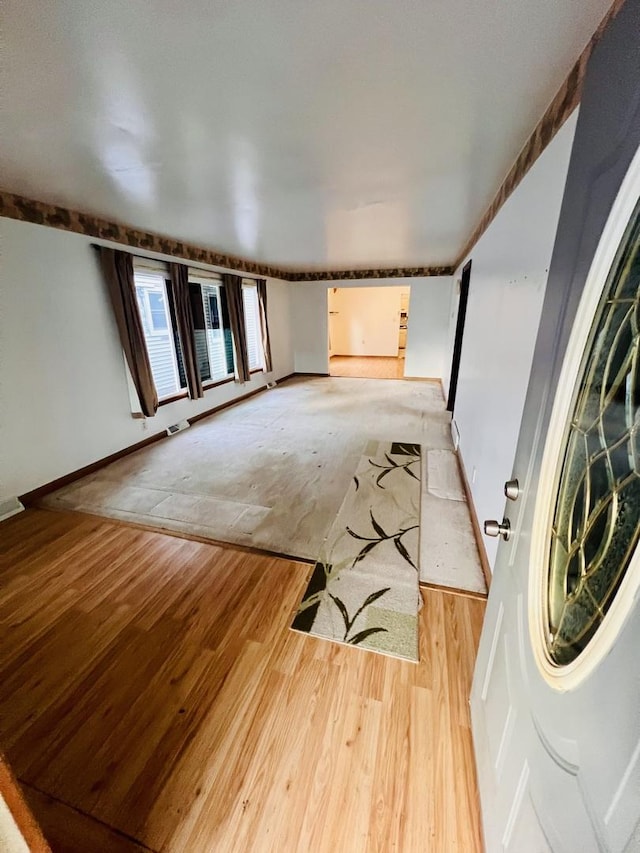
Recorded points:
(556,695)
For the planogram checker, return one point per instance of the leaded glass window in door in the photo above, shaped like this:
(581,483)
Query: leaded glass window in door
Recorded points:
(597,514)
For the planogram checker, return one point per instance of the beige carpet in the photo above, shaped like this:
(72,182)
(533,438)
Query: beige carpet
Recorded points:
(443,476)
(270,472)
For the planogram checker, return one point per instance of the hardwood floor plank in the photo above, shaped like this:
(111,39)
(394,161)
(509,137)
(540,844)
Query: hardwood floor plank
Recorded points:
(69,831)
(153,696)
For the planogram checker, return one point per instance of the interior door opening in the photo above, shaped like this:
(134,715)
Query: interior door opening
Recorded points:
(368,331)
(457,345)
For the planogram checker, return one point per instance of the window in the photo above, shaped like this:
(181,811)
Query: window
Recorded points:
(252,326)
(158,309)
(212,331)
(214,344)
(158,322)
(596,524)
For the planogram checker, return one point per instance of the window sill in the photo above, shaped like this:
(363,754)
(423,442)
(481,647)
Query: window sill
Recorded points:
(210,385)
(183,395)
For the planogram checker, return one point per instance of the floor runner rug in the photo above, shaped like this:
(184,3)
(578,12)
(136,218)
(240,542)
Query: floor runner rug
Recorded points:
(364,587)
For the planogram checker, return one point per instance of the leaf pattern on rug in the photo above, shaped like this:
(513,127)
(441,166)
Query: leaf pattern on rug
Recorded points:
(308,609)
(349,621)
(363,590)
(395,466)
(383,537)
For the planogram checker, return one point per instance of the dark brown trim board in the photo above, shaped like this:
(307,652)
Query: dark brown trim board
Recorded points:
(227,405)
(477,530)
(210,385)
(32,497)
(183,395)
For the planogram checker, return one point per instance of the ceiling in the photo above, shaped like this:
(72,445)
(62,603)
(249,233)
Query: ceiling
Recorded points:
(334,134)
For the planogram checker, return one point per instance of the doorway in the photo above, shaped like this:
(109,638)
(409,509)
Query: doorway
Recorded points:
(368,331)
(457,345)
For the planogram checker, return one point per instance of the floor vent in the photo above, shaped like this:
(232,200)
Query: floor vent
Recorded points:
(174,428)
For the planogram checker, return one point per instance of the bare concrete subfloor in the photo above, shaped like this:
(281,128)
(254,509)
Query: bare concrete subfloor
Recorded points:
(272,471)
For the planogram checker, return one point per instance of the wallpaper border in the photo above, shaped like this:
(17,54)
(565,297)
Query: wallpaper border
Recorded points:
(24,209)
(563,104)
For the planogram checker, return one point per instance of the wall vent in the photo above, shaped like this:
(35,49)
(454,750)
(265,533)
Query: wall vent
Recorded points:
(174,428)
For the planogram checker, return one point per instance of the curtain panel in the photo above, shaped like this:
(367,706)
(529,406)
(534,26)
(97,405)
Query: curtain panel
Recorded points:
(233,290)
(179,274)
(117,269)
(264,324)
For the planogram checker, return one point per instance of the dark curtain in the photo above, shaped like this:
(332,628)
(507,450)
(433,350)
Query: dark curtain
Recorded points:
(264,324)
(117,268)
(233,290)
(184,318)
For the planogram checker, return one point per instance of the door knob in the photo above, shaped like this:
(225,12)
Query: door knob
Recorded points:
(497,528)
(512,490)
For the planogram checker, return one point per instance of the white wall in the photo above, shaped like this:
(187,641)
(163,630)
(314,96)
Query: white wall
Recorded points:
(64,401)
(427,352)
(366,320)
(310,317)
(427,332)
(508,279)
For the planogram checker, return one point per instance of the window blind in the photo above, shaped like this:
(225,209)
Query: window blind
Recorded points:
(252,325)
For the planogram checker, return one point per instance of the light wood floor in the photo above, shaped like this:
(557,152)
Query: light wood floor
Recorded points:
(153,698)
(366,367)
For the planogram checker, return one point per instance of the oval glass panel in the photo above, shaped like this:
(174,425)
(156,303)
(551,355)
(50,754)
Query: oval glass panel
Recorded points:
(596,523)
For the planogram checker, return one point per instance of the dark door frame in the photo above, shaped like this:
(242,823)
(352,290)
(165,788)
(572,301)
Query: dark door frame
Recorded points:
(457,344)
